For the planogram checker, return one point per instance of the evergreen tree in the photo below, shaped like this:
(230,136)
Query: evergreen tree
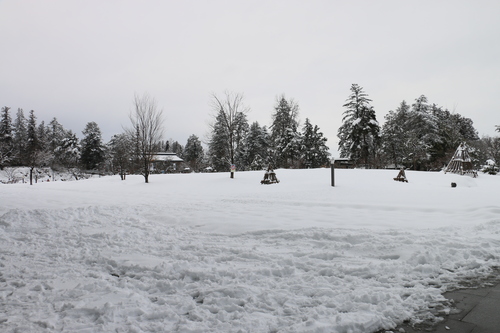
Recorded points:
(394,137)
(284,133)
(424,136)
(33,142)
(92,148)
(453,129)
(54,137)
(193,152)
(423,133)
(42,136)
(257,147)
(20,138)
(55,133)
(486,152)
(6,138)
(33,147)
(68,150)
(176,148)
(218,145)
(241,154)
(314,152)
(359,133)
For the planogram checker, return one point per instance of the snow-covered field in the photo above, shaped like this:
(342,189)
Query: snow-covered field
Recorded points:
(206,253)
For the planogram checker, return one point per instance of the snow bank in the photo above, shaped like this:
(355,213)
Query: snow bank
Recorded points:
(205,253)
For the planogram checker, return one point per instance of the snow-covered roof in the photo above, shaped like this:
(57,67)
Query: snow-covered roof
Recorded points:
(167,157)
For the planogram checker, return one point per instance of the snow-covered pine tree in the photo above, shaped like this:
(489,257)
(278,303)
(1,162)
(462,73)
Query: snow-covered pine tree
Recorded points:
(217,146)
(33,143)
(42,136)
(359,133)
(257,147)
(492,148)
(423,132)
(20,138)
(6,138)
(424,136)
(241,154)
(285,137)
(314,152)
(68,150)
(176,148)
(193,153)
(55,135)
(394,137)
(92,148)
(453,130)
(33,147)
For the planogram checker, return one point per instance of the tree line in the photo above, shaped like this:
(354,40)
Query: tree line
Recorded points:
(420,136)
(285,144)
(24,142)
(232,141)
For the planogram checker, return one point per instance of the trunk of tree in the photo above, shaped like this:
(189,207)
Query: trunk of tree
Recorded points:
(146,171)
(31,176)
(231,153)
(232,163)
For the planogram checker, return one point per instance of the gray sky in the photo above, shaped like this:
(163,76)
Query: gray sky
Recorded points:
(83,61)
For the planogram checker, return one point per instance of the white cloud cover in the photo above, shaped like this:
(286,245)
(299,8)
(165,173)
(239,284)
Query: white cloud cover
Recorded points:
(83,61)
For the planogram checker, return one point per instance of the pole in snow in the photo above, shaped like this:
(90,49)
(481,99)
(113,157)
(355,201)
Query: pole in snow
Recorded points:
(333,173)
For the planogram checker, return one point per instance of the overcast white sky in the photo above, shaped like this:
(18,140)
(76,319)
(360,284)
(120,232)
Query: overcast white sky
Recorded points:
(83,61)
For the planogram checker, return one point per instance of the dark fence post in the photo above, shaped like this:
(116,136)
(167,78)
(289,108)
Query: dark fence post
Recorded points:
(333,173)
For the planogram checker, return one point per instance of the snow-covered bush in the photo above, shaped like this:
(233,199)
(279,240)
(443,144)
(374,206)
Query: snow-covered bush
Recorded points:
(490,167)
(9,175)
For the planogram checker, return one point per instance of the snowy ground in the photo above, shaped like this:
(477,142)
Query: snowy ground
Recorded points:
(205,253)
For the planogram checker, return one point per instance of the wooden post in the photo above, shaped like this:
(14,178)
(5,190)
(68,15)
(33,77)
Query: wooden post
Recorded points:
(233,169)
(333,173)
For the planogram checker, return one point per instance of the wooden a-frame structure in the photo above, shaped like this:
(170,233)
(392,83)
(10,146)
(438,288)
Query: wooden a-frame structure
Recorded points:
(461,163)
(270,177)
(401,177)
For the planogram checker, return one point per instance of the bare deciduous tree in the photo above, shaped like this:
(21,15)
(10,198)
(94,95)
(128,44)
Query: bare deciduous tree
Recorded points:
(147,130)
(231,116)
